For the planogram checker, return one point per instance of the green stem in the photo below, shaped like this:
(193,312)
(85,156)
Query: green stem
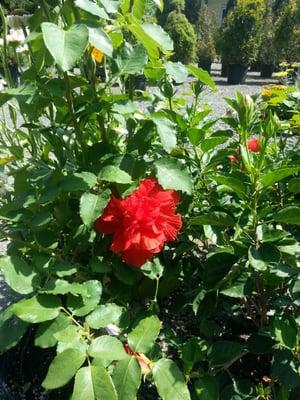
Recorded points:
(156,291)
(71,110)
(7,74)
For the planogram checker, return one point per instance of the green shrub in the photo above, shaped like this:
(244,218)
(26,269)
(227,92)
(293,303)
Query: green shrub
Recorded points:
(241,33)
(170,6)
(183,35)
(267,52)
(287,31)
(192,10)
(206,50)
(20,5)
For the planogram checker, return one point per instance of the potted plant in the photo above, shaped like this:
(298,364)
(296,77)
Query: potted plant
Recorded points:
(205,50)
(267,56)
(241,38)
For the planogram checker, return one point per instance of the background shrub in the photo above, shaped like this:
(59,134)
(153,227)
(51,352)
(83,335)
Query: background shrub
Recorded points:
(183,35)
(241,33)
(287,31)
(206,50)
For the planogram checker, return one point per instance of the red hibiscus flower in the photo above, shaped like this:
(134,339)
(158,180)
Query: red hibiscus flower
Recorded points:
(253,145)
(142,222)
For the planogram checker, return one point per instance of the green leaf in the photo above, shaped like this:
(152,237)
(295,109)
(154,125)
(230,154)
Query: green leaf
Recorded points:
(217,266)
(166,130)
(70,338)
(93,383)
(234,184)
(63,368)
(159,4)
(79,181)
(225,353)
(83,305)
(203,76)
(92,206)
(107,348)
(294,185)
(160,36)
(112,173)
(150,45)
(284,330)
(66,47)
(18,274)
(92,8)
(213,218)
(260,344)
(172,174)
(12,330)
(169,381)
(110,6)
(177,71)
(100,40)
(276,175)
(212,142)
(284,369)
(153,269)
(104,315)
(44,336)
(264,256)
(37,309)
(288,215)
(127,378)
(132,60)
(138,8)
(144,335)
(207,388)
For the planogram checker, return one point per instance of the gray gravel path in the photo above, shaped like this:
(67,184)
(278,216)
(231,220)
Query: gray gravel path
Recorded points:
(253,85)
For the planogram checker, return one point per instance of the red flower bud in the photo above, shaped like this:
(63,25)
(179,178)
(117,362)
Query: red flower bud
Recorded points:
(232,159)
(253,145)
(141,223)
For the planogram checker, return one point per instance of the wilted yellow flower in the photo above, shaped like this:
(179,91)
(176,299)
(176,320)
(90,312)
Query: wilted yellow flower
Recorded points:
(97,55)
(281,74)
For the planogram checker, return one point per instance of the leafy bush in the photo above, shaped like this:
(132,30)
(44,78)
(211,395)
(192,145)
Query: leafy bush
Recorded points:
(183,36)
(287,31)
(95,181)
(241,33)
(267,53)
(206,51)
(19,6)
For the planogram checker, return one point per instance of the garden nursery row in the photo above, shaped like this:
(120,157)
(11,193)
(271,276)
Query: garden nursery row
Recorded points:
(150,249)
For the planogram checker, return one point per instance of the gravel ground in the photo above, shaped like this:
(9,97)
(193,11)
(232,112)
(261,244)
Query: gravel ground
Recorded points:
(253,85)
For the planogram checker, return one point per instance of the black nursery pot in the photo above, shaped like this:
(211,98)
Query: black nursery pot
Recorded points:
(206,65)
(224,70)
(139,83)
(266,71)
(237,73)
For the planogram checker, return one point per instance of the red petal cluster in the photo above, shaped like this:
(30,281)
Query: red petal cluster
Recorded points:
(253,145)
(142,222)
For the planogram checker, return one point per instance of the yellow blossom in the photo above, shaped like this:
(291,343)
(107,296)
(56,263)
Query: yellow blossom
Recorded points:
(97,55)
(281,74)
(279,87)
(266,93)
(284,64)
(296,65)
